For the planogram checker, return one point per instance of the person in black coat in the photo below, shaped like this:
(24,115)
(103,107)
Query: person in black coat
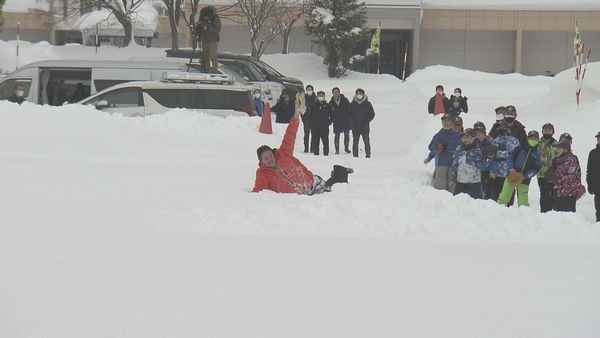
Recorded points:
(18,95)
(320,121)
(515,127)
(341,119)
(361,114)
(439,90)
(593,175)
(463,107)
(284,109)
(310,99)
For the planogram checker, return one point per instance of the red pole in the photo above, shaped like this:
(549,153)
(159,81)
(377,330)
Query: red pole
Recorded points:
(97,40)
(18,38)
(404,67)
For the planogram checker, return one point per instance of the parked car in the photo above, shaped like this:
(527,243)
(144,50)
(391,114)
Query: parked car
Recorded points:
(213,94)
(291,85)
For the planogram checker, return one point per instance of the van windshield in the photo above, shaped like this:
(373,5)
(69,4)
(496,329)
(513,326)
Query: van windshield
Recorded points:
(7,87)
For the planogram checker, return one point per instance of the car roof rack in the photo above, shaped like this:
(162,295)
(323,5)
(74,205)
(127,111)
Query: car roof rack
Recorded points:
(185,77)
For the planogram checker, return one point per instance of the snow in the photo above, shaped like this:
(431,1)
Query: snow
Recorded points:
(145,227)
(324,15)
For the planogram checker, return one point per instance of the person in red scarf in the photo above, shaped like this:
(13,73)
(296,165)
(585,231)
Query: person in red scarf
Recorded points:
(439,103)
(279,171)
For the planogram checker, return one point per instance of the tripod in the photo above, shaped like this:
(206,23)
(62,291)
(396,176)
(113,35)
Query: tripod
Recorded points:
(199,34)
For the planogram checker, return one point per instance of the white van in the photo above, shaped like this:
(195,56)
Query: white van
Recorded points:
(56,82)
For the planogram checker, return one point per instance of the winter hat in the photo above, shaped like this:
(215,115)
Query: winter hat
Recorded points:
(458,120)
(479,126)
(533,133)
(458,90)
(511,111)
(310,87)
(548,125)
(261,150)
(469,131)
(439,87)
(565,135)
(359,90)
(321,92)
(566,145)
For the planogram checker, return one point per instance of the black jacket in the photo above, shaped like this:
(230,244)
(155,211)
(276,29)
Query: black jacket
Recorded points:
(517,130)
(15,99)
(309,101)
(208,26)
(463,107)
(361,114)
(320,116)
(593,171)
(284,111)
(445,102)
(340,114)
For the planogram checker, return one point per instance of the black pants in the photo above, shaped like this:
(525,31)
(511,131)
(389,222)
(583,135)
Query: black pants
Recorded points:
(356,134)
(306,124)
(546,194)
(473,189)
(597,203)
(336,141)
(487,185)
(565,203)
(320,135)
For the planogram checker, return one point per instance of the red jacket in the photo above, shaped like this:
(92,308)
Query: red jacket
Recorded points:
(289,174)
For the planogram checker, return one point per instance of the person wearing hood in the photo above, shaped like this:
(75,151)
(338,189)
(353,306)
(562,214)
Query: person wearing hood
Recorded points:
(463,107)
(443,144)
(284,109)
(458,125)
(341,119)
(467,165)
(259,105)
(18,95)
(438,104)
(361,114)
(208,29)
(547,153)
(593,175)
(500,165)
(526,162)
(304,104)
(567,178)
(488,151)
(515,128)
(499,120)
(320,121)
(279,171)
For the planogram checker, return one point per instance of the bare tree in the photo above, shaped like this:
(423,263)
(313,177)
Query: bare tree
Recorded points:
(288,13)
(259,17)
(174,12)
(123,10)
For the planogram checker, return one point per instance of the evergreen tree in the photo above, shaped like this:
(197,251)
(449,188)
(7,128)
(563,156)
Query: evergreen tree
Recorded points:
(339,26)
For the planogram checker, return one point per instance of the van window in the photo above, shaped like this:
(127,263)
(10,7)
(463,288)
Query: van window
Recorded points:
(7,87)
(103,84)
(121,98)
(202,98)
(245,69)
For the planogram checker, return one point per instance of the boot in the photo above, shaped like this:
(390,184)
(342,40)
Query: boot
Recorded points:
(347,146)
(339,175)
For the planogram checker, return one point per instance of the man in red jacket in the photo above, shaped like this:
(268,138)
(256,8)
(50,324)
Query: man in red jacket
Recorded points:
(280,171)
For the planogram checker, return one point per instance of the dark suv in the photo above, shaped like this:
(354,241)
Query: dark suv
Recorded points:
(245,64)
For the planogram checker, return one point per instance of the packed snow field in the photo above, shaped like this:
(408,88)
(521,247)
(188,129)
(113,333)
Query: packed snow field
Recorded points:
(146,227)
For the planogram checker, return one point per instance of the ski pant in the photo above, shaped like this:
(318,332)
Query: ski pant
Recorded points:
(546,194)
(336,141)
(356,134)
(497,186)
(306,124)
(319,186)
(508,191)
(441,178)
(320,135)
(487,185)
(597,204)
(473,189)
(209,56)
(566,203)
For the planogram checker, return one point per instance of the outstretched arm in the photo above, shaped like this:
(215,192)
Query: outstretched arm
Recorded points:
(289,139)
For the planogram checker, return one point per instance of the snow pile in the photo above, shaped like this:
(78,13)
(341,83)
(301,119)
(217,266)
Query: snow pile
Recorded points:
(29,53)
(324,15)
(148,224)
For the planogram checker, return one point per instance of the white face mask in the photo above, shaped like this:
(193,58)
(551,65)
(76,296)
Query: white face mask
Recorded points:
(20,93)
(359,96)
(257,95)
(499,117)
(457,94)
(321,98)
(309,92)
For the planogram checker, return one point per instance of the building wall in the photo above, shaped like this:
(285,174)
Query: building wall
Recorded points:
(34,27)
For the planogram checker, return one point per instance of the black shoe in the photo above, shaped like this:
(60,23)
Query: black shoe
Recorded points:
(347,151)
(340,168)
(305,150)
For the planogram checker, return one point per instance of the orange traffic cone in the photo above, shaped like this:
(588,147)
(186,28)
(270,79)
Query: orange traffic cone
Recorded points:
(265,124)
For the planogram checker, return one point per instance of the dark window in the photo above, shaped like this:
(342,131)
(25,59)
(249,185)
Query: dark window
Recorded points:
(202,99)
(120,98)
(245,69)
(7,87)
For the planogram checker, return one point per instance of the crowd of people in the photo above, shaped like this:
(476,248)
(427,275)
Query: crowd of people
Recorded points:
(501,164)
(318,115)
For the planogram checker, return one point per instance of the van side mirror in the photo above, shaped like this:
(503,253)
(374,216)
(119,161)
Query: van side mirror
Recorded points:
(101,104)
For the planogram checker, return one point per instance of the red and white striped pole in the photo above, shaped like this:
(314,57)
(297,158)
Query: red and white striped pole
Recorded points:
(97,39)
(18,38)
(405,58)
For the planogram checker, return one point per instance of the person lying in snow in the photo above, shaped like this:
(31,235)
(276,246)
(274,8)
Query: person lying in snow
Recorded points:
(279,171)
